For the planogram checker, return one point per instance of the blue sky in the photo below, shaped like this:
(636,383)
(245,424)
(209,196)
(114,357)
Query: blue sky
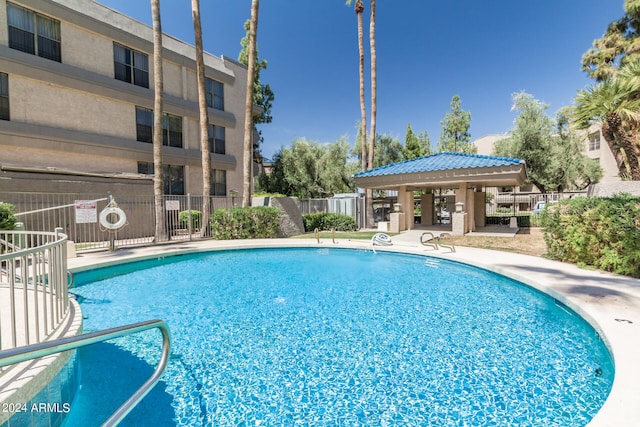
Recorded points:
(427,52)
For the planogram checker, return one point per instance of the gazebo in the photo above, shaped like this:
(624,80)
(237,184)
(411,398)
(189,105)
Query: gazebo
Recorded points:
(468,174)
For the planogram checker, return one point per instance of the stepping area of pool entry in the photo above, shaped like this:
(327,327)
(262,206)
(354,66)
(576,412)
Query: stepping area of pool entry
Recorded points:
(610,303)
(39,392)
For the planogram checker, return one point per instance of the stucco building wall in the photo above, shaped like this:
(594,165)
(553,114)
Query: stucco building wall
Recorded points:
(75,114)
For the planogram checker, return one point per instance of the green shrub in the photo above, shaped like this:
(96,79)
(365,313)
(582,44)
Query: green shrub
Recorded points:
(196,219)
(328,221)
(7,219)
(599,232)
(245,223)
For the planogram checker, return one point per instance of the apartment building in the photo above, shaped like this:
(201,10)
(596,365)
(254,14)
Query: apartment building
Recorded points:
(76,104)
(595,147)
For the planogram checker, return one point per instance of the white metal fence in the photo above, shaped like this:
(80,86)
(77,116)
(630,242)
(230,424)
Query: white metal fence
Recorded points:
(33,286)
(78,215)
(351,205)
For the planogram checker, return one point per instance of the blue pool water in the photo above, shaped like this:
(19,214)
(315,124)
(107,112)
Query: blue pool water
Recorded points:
(338,337)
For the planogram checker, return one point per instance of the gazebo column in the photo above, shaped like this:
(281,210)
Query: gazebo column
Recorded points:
(426,205)
(470,208)
(480,199)
(459,218)
(402,220)
(408,207)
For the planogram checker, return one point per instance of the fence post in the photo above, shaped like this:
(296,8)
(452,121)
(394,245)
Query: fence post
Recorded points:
(188,215)
(112,235)
(22,239)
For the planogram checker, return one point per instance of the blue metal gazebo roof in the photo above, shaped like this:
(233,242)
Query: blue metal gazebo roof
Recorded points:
(445,169)
(440,162)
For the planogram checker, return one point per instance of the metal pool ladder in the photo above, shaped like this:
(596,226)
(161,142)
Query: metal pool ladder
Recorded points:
(34,351)
(428,239)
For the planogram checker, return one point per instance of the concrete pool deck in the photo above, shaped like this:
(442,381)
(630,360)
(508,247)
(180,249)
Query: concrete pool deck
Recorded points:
(611,303)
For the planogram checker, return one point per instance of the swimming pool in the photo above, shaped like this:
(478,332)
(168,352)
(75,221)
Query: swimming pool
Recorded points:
(346,337)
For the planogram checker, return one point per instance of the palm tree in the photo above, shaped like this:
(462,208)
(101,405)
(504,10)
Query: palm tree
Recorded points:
(367,153)
(359,8)
(374,106)
(615,103)
(204,118)
(374,81)
(248,107)
(158,181)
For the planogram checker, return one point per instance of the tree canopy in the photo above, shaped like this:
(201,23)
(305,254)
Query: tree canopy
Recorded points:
(263,96)
(614,102)
(619,45)
(455,136)
(308,169)
(553,153)
(387,150)
(416,145)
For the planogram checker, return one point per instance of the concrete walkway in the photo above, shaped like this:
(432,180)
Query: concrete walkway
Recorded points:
(609,302)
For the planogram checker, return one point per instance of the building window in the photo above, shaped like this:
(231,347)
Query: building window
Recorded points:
(4,96)
(130,65)
(173,177)
(215,94)
(216,139)
(33,33)
(594,141)
(144,124)
(171,130)
(218,182)
(171,127)
(145,168)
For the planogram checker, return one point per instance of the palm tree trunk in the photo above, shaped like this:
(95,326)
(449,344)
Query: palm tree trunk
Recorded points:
(248,109)
(359,8)
(627,140)
(614,135)
(158,181)
(374,107)
(203,118)
(634,141)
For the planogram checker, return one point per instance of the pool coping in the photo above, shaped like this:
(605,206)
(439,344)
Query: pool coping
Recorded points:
(609,302)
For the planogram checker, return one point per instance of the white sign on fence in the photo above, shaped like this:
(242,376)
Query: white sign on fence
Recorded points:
(86,211)
(173,205)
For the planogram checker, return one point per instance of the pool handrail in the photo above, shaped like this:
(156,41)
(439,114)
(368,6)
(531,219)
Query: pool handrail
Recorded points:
(431,241)
(33,351)
(450,245)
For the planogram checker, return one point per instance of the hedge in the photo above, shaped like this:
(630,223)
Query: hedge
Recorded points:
(7,219)
(598,232)
(328,221)
(258,222)
(196,219)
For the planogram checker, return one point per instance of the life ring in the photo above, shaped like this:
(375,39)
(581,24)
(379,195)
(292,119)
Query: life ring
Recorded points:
(122,218)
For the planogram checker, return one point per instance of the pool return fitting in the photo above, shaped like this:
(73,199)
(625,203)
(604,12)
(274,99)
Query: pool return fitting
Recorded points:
(380,239)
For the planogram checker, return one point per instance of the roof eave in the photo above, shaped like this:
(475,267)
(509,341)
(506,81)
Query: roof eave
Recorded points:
(507,175)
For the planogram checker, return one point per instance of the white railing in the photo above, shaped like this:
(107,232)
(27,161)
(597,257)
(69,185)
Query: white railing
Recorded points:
(13,356)
(34,298)
(44,211)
